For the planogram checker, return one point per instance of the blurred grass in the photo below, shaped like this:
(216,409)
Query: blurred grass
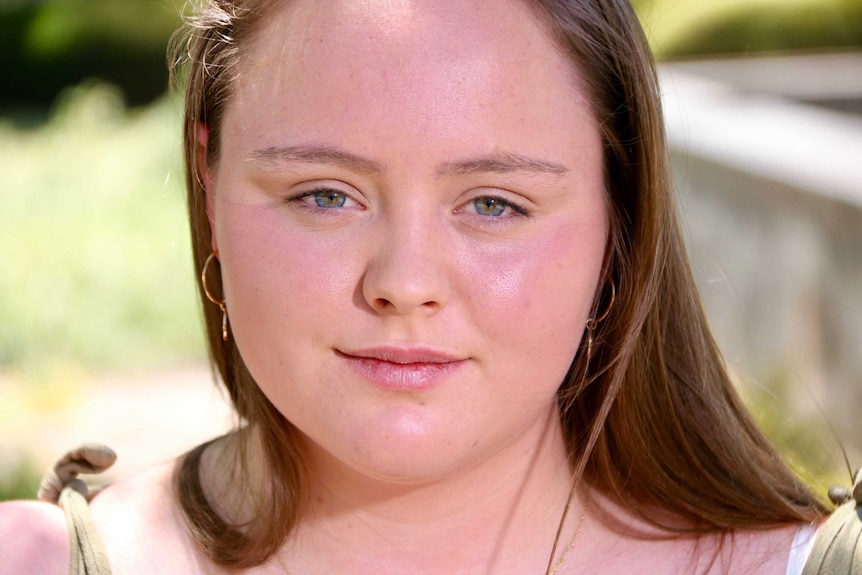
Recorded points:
(805,440)
(95,271)
(19,480)
(679,28)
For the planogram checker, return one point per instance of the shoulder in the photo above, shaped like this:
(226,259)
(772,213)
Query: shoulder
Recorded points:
(621,543)
(33,538)
(741,552)
(762,550)
(139,518)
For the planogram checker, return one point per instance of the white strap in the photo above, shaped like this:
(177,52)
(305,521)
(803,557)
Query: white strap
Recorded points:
(800,549)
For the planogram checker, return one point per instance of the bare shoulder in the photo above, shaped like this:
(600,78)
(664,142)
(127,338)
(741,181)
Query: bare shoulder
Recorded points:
(754,552)
(742,552)
(759,551)
(646,549)
(33,538)
(139,519)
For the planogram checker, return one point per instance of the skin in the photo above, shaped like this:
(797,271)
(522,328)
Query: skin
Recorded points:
(457,223)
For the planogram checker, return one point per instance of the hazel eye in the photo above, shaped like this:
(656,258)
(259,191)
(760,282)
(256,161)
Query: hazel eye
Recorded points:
(494,207)
(328,198)
(324,201)
(488,206)
(324,198)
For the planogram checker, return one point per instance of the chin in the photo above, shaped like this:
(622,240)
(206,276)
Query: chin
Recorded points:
(406,448)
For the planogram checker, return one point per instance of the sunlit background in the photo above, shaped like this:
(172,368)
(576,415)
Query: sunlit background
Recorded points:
(100,335)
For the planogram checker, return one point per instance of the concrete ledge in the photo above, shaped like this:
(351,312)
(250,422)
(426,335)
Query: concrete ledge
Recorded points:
(793,143)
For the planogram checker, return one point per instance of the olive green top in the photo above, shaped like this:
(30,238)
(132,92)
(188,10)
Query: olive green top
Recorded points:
(62,486)
(838,547)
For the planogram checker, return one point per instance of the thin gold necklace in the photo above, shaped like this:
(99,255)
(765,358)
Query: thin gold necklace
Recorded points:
(568,546)
(552,571)
(283,566)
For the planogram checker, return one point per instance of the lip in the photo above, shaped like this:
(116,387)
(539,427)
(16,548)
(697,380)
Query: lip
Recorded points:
(407,369)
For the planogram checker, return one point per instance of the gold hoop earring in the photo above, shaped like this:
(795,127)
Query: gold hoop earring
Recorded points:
(594,322)
(222,305)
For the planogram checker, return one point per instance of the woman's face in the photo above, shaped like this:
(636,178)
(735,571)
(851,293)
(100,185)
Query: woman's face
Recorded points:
(410,216)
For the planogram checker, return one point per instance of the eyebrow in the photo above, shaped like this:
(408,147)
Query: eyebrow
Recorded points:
(494,162)
(316,154)
(500,163)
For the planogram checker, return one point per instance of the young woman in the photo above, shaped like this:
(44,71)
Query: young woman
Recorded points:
(445,289)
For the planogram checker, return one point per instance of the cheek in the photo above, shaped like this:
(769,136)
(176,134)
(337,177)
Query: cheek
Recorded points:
(535,297)
(278,277)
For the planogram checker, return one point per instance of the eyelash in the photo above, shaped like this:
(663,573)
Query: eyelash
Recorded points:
(302,198)
(512,214)
(516,210)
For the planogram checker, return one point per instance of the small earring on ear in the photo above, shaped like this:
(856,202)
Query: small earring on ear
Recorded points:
(220,303)
(594,322)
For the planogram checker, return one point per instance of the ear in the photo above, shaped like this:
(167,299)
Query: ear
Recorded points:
(205,177)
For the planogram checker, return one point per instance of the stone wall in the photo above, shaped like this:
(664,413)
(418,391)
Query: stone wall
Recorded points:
(771,197)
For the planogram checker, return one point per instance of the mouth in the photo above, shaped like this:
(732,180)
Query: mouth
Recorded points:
(407,369)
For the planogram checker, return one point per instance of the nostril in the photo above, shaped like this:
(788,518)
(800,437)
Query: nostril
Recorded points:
(404,301)
(402,279)
(382,303)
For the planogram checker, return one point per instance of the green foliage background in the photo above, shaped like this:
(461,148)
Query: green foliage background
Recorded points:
(682,28)
(46,45)
(96,271)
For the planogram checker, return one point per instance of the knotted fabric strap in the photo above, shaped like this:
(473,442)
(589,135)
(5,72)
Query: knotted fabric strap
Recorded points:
(838,547)
(62,486)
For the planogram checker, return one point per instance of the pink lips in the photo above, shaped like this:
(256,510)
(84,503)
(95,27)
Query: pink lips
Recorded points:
(409,369)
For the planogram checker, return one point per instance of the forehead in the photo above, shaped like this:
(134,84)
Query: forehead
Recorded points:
(443,31)
(416,66)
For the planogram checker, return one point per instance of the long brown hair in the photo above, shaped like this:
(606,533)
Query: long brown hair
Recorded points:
(651,417)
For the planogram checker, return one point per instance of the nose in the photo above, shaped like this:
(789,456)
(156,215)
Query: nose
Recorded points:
(406,274)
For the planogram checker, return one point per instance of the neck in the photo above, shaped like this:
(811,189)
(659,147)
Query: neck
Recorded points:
(498,516)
